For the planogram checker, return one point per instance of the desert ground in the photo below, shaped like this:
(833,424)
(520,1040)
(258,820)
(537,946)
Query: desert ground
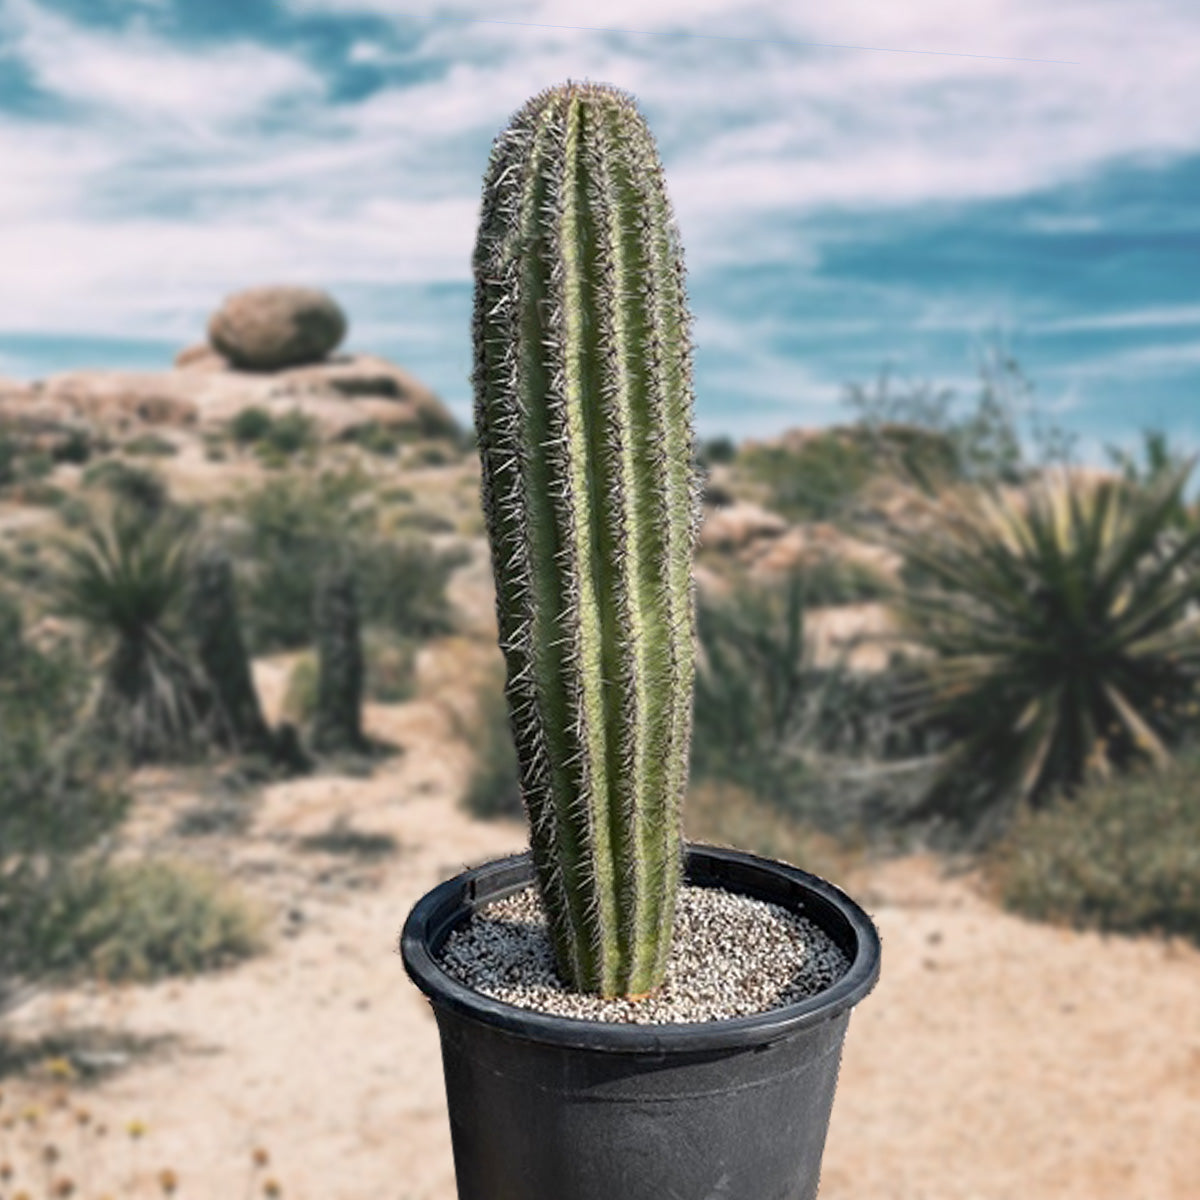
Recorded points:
(996,1059)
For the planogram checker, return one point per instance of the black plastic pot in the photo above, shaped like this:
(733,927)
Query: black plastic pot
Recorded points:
(545,1107)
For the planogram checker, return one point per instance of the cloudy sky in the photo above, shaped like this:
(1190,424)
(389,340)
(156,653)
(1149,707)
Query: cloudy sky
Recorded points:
(859,186)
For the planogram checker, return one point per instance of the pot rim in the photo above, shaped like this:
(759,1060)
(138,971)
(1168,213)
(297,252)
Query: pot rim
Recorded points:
(452,902)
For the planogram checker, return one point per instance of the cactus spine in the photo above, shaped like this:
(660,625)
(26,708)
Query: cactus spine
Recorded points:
(583,412)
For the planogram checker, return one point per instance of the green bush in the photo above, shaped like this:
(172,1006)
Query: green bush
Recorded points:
(57,795)
(1061,632)
(749,696)
(391,664)
(292,432)
(144,490)
(1121,855)
(376,437)
(814,481)
(300,694)
(494,787)
(76,447)
(35,464)
(829,580)
(293,525)
(275,439)
(142,921)
(402,585)
(8,459)
(250,425)
(716,450)
(296,525)
(151,445)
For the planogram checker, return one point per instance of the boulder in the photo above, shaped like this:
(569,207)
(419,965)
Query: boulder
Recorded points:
(268,328)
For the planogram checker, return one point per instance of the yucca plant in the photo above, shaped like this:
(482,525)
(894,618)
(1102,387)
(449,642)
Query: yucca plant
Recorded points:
(1064,632)
(124,577)
(583,403)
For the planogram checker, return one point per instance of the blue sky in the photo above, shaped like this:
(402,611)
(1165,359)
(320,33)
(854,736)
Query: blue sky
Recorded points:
(989,169)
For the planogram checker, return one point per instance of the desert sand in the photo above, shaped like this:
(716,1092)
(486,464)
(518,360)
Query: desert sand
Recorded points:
(997,1058)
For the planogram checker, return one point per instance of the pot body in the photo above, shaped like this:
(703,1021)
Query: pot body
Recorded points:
(553,1108)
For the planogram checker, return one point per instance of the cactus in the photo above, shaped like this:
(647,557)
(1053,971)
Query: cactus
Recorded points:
(583,413)
(337,725)
(213,618)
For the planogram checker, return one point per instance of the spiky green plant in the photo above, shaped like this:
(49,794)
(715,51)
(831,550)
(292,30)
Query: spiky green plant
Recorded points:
(1064,631)
(212,615)
(124,577)
(337,722)
(583,402)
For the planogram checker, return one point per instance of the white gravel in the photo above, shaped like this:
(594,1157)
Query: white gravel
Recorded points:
(732,956)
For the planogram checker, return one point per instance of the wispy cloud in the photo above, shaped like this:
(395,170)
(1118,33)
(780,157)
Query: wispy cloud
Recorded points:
(1180,316)
(162,172)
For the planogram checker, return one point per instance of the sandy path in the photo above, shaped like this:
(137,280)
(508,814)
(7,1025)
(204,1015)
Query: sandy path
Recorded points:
(997,1059)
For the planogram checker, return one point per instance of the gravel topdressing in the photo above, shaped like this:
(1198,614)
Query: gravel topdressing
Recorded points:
(732,956)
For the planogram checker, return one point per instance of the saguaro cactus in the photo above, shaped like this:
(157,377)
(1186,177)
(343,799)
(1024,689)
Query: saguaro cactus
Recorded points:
(337,725)
(583,412)
(213,619)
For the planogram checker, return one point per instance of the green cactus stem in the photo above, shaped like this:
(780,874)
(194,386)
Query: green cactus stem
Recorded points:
(583,412)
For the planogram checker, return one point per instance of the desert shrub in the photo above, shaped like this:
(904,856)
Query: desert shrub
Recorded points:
(829,580)
(34,465)
(438,422)
(494,788)
(925,437)
(438,453)
(57,795)
(836,748)
(290,433)
(396,494)
(39,492)
(300,693)
(75,447)
(716,450)
(250,425)
(142,489)
(402,584)
(423,521)
(292,527)
(749,697)
(150,445)
(391,664)
(275,439)
(1121,855)
(722,813)
(1061,625)
(297,525)
(8,459)
(376,437)
(813,481)
(142,921)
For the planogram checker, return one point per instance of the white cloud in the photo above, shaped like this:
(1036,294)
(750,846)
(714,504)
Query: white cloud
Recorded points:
(1134,362)
(1145,318)
(148,81)
(163,189)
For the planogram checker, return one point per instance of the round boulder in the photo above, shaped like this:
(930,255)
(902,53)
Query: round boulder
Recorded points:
(266,328)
